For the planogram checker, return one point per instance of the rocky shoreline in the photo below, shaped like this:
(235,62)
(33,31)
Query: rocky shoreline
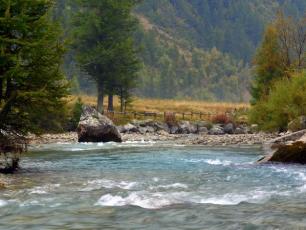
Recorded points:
(181,139)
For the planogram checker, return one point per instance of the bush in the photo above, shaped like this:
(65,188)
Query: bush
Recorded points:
(286,101)
(221,119)
(75,115)
(170,119)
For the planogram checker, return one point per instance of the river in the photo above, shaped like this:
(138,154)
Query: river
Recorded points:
(146,185)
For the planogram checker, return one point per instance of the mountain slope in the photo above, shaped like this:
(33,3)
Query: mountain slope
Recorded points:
(232,26)
(200,49)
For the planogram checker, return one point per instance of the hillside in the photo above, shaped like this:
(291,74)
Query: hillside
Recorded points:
(232,26)
(202,49)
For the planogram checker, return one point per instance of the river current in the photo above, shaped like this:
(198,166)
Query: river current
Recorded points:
(145,185)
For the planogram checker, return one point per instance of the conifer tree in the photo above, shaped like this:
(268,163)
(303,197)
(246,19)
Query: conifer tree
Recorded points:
(104,31)
(31,82)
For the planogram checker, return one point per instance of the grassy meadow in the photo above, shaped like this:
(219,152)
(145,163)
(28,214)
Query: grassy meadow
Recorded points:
(140,105)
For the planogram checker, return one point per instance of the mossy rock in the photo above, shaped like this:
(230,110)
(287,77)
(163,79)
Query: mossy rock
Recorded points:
(294,153)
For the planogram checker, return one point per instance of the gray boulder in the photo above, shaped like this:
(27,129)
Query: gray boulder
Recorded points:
(202,130)
(160,126)
(174,129)
(216,130)
(94,127)
(229,128)
(185,127)
(241,129)
(129,128)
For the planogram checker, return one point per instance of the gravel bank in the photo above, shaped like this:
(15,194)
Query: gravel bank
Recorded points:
(184,139)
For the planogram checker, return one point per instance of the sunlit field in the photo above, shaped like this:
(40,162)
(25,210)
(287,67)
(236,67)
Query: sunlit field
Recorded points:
(178,106)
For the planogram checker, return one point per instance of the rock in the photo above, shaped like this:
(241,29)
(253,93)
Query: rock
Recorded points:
(142,130)
(297,124)
(290,153)
(94,127)
(121,129)
(185,127)
(216,130)
(289,148)
(174,129)
(150,129)
(160,126)
(229,128)
(129,128)
(202,130)
(241,130)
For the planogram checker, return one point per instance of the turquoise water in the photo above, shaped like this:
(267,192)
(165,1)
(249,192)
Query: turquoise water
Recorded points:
(152,186)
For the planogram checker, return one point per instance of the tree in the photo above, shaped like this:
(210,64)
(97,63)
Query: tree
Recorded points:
(282,52)
(31,82)
(103,32)
(268,63)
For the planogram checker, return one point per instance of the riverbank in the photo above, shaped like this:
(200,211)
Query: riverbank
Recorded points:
(182,139)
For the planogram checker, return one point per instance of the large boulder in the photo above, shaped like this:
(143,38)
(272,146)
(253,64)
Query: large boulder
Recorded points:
(289,148)
(94,127)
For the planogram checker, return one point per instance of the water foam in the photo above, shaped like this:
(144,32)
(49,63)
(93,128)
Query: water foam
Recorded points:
(211,161)
(105,183)
(3,203)
(144,200)
(218,162)
(159,200)
(175,185)
(43,189)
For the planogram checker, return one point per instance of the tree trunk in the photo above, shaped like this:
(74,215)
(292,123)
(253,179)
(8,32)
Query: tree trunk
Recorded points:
(111,102)
(100,98)
(121,100)
(8,91)
(1,88)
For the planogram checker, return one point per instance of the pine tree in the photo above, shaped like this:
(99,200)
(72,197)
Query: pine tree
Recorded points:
(31,82)
(105,47)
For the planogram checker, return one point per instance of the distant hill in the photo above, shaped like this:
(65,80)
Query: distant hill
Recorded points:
(201,49)
(232,26)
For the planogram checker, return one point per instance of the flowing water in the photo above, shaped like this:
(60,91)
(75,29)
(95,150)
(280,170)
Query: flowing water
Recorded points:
(152,186)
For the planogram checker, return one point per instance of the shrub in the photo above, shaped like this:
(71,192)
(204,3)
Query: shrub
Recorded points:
(221,119)
(170,119)
(75,115)
(286,101)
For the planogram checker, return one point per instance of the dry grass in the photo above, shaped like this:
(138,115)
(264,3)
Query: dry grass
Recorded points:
(178,106)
